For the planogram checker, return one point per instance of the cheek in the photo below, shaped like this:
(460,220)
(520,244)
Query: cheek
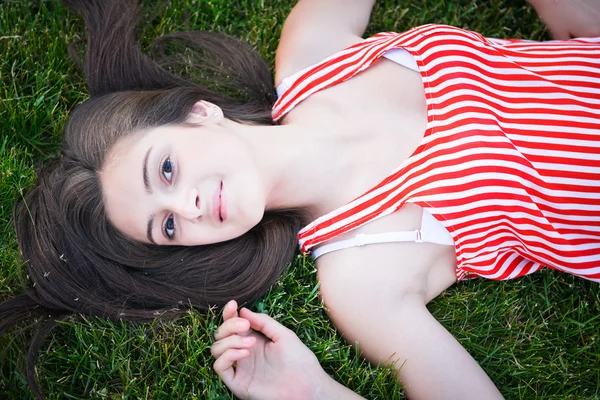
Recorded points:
(247,199)
(221,160)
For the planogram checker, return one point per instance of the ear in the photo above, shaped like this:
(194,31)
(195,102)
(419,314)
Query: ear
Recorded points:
(205,113)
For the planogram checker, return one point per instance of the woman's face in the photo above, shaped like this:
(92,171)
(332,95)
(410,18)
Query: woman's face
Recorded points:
(183,185)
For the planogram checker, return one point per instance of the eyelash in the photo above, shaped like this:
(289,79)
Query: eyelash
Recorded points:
(162,167)
(170,217)
(165,228)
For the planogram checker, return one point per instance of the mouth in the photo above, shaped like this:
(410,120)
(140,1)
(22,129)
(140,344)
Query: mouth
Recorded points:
(218,209)
(222,204)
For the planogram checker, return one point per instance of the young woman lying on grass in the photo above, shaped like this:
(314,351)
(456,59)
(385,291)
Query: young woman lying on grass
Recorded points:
(459,156)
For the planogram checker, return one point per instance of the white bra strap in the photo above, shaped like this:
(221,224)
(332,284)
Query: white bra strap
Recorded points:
(431,232)
(362,239)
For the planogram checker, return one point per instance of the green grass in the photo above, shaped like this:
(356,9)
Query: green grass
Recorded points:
(537,337)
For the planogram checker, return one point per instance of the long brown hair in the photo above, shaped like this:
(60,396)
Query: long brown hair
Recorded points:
(78,262)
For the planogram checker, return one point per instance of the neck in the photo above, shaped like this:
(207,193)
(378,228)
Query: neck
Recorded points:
(300,165)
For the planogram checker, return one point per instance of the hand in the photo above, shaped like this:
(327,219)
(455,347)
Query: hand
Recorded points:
(569,18)
(274,366)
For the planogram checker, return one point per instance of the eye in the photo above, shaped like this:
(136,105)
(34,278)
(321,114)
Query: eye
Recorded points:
(167,169)
(169,228)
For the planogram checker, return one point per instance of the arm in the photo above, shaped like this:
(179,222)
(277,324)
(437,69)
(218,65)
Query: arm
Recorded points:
(331,389)
(315,29)
(566,19)
(430,362)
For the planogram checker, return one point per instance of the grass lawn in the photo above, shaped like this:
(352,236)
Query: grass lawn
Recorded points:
(537,337)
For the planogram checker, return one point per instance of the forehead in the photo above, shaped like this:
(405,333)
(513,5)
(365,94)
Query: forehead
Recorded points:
(121,180)
(126,149)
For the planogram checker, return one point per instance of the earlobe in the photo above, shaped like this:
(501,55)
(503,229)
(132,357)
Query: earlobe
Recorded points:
(204,112)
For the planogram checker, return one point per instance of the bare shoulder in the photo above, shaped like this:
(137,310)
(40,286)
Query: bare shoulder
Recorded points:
(313,31)
(369,274)
(365,289)
(362,287)
(301,48)
(386,272)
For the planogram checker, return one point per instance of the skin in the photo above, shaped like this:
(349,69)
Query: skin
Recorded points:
(375,295)
(186,166)
(254,163)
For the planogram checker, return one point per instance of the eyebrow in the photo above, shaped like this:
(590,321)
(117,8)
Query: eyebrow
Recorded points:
(145,172)
(149,229)
(149,191)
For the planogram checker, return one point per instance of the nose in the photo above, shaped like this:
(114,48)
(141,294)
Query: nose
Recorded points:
(188,205)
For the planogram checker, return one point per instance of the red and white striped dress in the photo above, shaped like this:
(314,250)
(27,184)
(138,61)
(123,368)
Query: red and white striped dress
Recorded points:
(510,160)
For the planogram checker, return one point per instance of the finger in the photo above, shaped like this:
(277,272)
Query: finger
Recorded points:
(232,342)
(230,310)
(265,324)
(223,366)
(232,326)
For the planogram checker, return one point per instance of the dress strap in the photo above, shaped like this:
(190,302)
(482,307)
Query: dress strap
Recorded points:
(431,232)
(337,68)
(397,55)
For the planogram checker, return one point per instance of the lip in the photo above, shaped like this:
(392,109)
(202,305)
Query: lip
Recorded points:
(218,209)
(216,205)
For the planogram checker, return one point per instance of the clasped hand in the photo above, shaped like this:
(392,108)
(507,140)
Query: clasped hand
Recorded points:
(258,358)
